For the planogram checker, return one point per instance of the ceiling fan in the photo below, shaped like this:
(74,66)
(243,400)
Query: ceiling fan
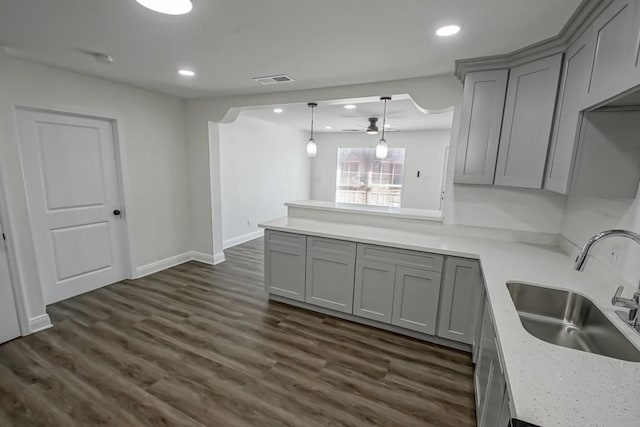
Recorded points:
(372,128)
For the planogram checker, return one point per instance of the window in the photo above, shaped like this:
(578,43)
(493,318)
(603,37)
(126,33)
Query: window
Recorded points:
(364,180)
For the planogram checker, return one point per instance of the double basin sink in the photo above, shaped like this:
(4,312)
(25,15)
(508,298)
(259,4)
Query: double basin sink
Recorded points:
(570,320)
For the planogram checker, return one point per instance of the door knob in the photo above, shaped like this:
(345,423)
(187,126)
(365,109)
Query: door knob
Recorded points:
(116,212)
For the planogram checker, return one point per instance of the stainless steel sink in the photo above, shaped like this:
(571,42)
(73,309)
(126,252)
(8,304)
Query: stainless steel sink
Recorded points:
(569,320)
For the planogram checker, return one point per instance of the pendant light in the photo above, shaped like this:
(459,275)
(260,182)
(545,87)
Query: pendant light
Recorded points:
(382,149)
(312,148)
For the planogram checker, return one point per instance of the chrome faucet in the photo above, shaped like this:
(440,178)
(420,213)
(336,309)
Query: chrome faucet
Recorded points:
(633,304)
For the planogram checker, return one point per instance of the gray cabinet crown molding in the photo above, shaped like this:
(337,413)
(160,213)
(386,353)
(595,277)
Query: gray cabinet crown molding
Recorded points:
(584,15)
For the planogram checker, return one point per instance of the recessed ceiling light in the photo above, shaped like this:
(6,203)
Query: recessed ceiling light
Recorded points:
(328,127)
(186,73)
(168,7)
(350,107)
(278,110)
(448,30)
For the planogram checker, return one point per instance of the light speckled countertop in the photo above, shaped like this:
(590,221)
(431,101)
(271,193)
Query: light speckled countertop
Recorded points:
(548,385)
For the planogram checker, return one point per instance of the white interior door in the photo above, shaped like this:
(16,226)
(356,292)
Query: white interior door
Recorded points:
(71,178)
(9,328)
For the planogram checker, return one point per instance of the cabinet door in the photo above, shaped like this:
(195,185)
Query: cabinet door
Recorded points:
(613,57)
(285,264)
(575,79)
(460,300)
(483,369)
(505,412)
(330,273)
(492,410)
(526,126)
(373,293)
(415,299)
(489,380)
(482,107)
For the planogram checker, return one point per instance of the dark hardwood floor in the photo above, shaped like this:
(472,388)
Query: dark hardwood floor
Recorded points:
(200,345)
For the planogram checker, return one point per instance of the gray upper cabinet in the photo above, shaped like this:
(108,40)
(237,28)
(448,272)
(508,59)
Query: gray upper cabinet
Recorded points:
(460,300)
(285,255)
(613,57)
(415,301)
(526,126)
(575,80)
(482,110)
(373,293)
(330,273)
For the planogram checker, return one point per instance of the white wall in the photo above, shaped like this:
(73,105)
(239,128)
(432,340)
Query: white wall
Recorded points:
(604,192)
(424,151)
(153,137)
(512,209)
(262,166)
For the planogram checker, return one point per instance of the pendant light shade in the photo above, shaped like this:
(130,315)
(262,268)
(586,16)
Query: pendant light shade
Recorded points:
(312,148)
(382,149)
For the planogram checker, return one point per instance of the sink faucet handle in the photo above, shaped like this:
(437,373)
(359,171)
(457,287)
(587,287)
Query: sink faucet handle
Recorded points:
(618,301)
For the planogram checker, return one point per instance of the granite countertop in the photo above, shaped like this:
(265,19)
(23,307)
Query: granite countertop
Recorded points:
(548,385)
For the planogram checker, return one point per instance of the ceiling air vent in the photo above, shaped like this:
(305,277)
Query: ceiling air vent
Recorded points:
(269,80)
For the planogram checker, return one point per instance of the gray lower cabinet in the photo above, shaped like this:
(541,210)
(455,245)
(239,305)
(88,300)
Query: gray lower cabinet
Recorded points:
(373,293)
(285,259)
(505,412)
(489,380)
(415,300)
(527,121)
(330,273)
(482,109)
(460,300)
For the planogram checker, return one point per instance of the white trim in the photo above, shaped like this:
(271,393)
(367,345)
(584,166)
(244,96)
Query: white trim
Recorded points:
(163,264)
(203,258)
(242,239)
(39,323)
(218,258)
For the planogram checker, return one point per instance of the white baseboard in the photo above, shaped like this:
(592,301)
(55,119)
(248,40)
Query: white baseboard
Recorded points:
(218,258)
(203,258)
(163,264)
(241,239)
(39,323)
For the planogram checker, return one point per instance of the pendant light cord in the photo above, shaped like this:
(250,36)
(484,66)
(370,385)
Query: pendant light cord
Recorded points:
(384,118)
(312,122)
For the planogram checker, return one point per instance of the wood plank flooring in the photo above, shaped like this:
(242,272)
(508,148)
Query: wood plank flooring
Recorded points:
(200,345)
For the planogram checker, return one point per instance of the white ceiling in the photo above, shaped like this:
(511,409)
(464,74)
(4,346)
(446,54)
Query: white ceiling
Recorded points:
(227,42)
(402,115)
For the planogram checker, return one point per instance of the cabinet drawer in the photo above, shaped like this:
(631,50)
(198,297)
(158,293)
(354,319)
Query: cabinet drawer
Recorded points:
(423,260)
(331,246)
(285,239)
